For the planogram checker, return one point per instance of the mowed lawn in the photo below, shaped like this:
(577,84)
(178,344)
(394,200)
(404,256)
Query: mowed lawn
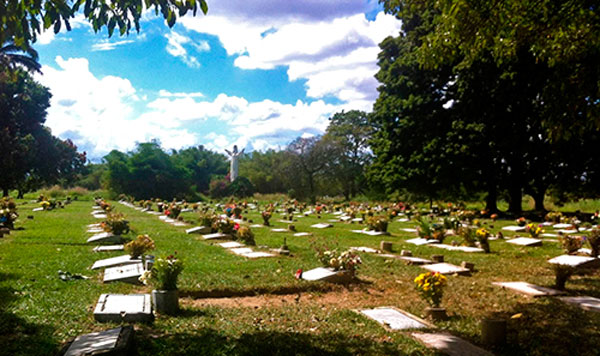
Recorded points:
(235,306)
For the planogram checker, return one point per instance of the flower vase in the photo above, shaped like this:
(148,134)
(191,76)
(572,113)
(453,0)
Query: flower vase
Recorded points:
(165,301)
(436,314)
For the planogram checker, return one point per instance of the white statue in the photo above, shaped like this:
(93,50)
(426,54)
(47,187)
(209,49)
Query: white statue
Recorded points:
(233,168)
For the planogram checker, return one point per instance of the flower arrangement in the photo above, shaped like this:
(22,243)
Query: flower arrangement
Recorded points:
(424,229)
(554,216)
(466,215)
(8,212)
(377,223)
(494,217)
(521,221)
(266,215)
(164,273)
(116,224)
(594,241)
(451,223)
(483,235)
(430,286)
(468,234)
(138,247)
(103,204)
(225,226)
(208,219)
(571,244)
(534,230)
(346,261)
(244,234)
(173,211)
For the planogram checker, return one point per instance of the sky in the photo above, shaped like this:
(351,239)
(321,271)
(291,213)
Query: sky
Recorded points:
(255,73)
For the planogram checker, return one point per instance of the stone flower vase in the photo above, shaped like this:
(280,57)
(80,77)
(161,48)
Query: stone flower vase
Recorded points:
(436,314)
(165,301)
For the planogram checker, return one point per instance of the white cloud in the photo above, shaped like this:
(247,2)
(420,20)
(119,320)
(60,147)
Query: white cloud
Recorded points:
(106,45)
(167,94)
(176,49)
(99,113)
(336,57)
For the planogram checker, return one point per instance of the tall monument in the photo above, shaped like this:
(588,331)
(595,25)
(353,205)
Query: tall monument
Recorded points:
(233,167)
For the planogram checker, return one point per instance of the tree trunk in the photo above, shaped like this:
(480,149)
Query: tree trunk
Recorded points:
(538,198)
(515,200)
(4,192)
(491,200)
(311,187)
(20,194)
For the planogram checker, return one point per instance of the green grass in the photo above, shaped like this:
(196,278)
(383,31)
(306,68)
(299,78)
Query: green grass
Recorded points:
(39,312)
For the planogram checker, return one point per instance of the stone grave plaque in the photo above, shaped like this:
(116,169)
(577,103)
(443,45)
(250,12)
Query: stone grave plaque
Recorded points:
(585,251)
(359,220)
(108,248)
(286,221)
(279,230)
(584,302)
(403,220)
(151,212)
(91,226)
(333,220)
(95,230)
(561,226)
(321,226)
(96,207)
(326,275)
(38,209)
(218,235)
(169,220)
(104,237)
(187,210)
(549,235)
(163,217)
(446,268)
(409,230)
(364,249)
(450,345)
(395,319)
(338,213)
(459,248)
(345,218)
(529,289)
(115,261)
(256,226)
(414,260)
(199,230)
(258,254)
(375,233)
(124,308)
(567,232)
(127,273)
(419,241)
(231,244)
(117,341)
(100,216)
(546,224)
(241,250)
(525,241)
(300,234)
(514,228)
(574,261)
(179,223)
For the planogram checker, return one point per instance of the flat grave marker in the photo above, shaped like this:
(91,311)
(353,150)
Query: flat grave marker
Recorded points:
(458,248)
(584,302)
(529,289)
(104,237)
(127,273)
(300,234)
(256,226)
(108,248)
(258,254)
(450,345)
(279,230)
(179,223)
(525,241)
(419,241)
(115,261)
(231,244)
(326,275)
(415,260)
(403,220)
(241,250)
(514,228)
(199,230)
(124,308)
(218,235)
(408,229)
(561,226)
(91,226)
(370,232)
(395,319)
(95,230)
(118,341)
(364,249)
(321,226)
(446,268)
(100,216)
(573,261)
(38,209)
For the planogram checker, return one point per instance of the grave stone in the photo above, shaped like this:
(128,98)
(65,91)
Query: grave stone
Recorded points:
(364,249)
(358,220)
(286,221)
(230,244)
(112,342)
(409,230)
(525,241)
(108,248)
(415,260)
(115,261)
(127,274)
(300,234)
(450,345)
(218,235)
(584,302)
(385,246)
(459,248)
(104,237)
(124,308)
(468,265)
(199,230)
(279,230)
(514,228)
(546,224)
(446,268)
(345,218)
(574,261)
(37,209)
(326,275)
(419,241)
(241,250)
(91,226)
(529,289)
(403,220)
(258,254)
(406,253)
(561,226)
(437,258)
(256,226)
(100,216)
(179,223)
(567,232)
(395,319)
(95,230)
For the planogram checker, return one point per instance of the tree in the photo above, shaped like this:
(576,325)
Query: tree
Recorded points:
(201,164)
(267,171)
(22,21)
(309,157)
(12,56)
(349,133)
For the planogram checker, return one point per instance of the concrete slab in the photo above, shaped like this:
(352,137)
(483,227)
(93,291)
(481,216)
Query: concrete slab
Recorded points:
(124,308)
(258,254)
(118,341)
(95,230)
(408,230)
(446,268)
(104,237)
(241,250)
(300,234)
(514,228)
(364,249)
(525,241)
(108,248)
(567,231)
(280,230)
(370,232)
(179,224)
(127,274)
(199,230)
(529,289)
(395,319)
(415,260)
(326,275)
(450,344)
(115,261)
(231,244)
(584,302)
(217,235)
(561,226)
(458,248)
(321,226)
(574,261)
(419,241)
(100,216)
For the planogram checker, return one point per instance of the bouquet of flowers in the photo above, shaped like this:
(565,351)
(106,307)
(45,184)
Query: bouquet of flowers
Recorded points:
(139,246)
(377,223)
(430,286)
(571,244)
(482,235)
(534,230)
(8,212)
(164,273)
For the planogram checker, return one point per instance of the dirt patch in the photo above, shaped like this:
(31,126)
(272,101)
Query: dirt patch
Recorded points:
(343,298)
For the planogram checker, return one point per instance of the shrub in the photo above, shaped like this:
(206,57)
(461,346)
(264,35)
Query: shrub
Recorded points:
(594,241)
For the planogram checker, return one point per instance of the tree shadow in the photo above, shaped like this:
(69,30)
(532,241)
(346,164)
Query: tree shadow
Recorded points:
(213,342)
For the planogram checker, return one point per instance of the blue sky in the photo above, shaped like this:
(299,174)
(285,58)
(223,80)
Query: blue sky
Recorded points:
(257,73)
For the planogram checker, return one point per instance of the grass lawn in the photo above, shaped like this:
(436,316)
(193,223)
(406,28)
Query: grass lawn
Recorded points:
(235,306)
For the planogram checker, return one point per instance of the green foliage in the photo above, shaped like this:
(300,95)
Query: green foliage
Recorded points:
(165,272)
(241,187)
(245,235)
(8,212)
(116,223)
(140,246)
(377,223)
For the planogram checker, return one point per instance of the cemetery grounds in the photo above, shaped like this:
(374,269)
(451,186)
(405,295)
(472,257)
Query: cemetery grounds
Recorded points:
(231,305)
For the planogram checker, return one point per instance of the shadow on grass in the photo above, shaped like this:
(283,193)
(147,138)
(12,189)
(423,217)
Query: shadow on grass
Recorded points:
(17,335)
(212,342)
(234,293)
(552,327)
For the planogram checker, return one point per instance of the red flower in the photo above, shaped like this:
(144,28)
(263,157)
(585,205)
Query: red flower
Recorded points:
(236,227)
(299,273)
